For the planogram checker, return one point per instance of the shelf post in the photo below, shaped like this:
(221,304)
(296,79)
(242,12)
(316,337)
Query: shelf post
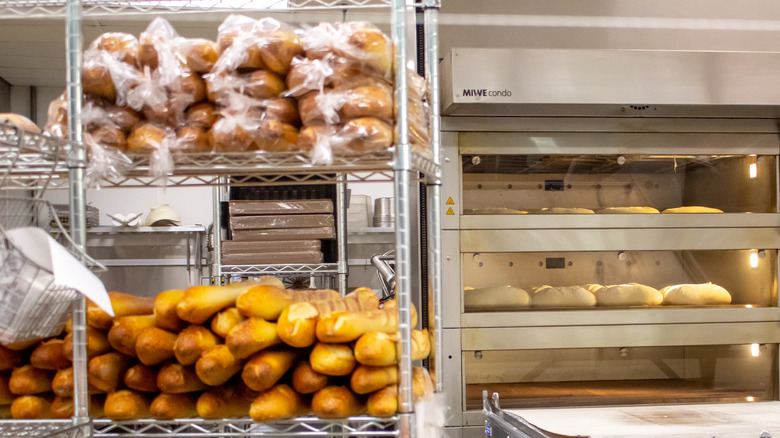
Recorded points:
(341,233)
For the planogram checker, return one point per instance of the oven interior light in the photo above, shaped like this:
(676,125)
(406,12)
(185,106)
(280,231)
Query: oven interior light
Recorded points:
(754,258)
(753,170)
(754,350)
(749,398)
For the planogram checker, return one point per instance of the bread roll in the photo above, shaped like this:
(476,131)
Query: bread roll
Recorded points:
(268,301)
(631,294)
(123,305)
(106,372)
(225,320)
(593,287)
(109,136)
(332,359)
(145,138)
(201,115)
(422,383)
(124,334)
(692,209)
(628,210)
(369,101)
(563,296)
(10,358)
(366,134)
(31,407)
(143,378)
(97,343)
(263,84)
(265,368)
(154,345)
(6,396)
(335,402)
(201,302)
(170,406)
(495,298)
(228,401)
(20,122)
(96,82)
(126,405)
(313,109)
(276,136)
(217,365)
(307,381)
(566,210)
(175,378)
(28,380)
(165,315)
(192,139)
(192,342)
(122,46)
(366,379)
(123,117)
(279,49)
(277,403)
(199,54)
(310,136)
(251,336)
(695,294)
(284,110)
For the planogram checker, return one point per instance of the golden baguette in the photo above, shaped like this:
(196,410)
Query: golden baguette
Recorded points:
(143,378)
(227,401)
(126,405)
(6,397)
(348,326)
(170,406)
(307,381)
(217,365)
(264,369)
(165,310)
(267,301)
(123,305)
(332,359)
(106,372)
(335,402)
(366,379)
(154,345)
(97,343)
(192,342)
(175,378)
(382,349)
(277,403)
(49,355)
(422,384)
(125,331)
(251,336)
(21,345)
(62,407)
(62,383)
(201,302)
(225,320)
(31,407)
(383,403)
(28,380)
(10,358)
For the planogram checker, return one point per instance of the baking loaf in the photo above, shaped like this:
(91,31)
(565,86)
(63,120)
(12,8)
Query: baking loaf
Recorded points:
(217,365)
(106,372)
(20,122)
(335,402)
(692,209)
(31,407)
(154,345)
(632,294)
(165,310)
(201,302)
(6,397)
(593,287)
(628,210)
(307,381)
(383,403)
(562,296)
(124,334)
(141,378)
(332,359)
(566,210)
(495,298)
(123,305)
(170,406)
(10,358)
(225,320)
(695,294)
(263,370)
(366,379)
(227,401)
(28,380)
(192,342)
(175,378)
(48,355)
(251,336)
(97,343)
(126,405)
(277,403)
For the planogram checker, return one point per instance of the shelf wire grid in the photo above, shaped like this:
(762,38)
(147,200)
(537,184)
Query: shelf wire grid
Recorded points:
(301,269)
(30,161)
(43,429)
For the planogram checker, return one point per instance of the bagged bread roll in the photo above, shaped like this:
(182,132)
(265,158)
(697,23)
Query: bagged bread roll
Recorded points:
(283,110)
(562,296)
(124,334)
(49,355)
(10,358)
(126,405)
(374,100)
(201,302)
(263,370)
(165,316)
(361,43)
(156,46)
(263,84)
(217,365)
(123,305)
(275,136)
(122,46)
(307,381)
(695,294)
(143,378)
(422,383)
(495,297)
(31,407)
(332,359)
(6,396)
(277,403)
(227,401)
(199,54)
(365,134)
(28,380)
(335,402)
(109,136)
(226,320)
(106,372)
(632,294)
(154,345)
(175,378)
(318,136)
(383,403)
(268,301)
(192,139)
(96,81)
(170,406)
(279,49)
(146,138)
(20,121)
(251,336)
(192,342)
(366,379)
(201,115)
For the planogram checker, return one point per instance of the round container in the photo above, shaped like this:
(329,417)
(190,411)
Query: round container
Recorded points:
(384,212)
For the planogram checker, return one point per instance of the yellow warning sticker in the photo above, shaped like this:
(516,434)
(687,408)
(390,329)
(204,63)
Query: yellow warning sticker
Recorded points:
(450,212)
(450,201)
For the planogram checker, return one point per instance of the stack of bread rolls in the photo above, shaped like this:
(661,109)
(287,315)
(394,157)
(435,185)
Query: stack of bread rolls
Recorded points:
(244,349)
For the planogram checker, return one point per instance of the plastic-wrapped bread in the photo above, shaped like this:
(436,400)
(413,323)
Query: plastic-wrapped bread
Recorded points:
(217,365)
(224,321)
(154,345)
(48,355)
(631,294)
(366,379)
(275,136)
(307,381)
(277,403)
(201,115)
(269,301)
(199,54)
(10,358)
(31,407)
(155,45)
(495,297)
(422,383)
(374,100)
(170,406)
(248,43)
(175,378)
(123,305)
(106,372)
(109,136)
(283,110)
(143,378)
(335,402)
(383,403)
(124,334)
(28,380)
(192,342)
(695,294)
(126,405)
(201,302)
(147,138)
(332,359)
(192,139)
(165,315)
(6,397)
(365,134)
(226,401)
(562,296)
(361,43)
(263,84)
(263,370)
(251,336)
(123,46)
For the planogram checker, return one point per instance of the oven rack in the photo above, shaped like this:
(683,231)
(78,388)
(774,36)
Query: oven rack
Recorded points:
(43,429)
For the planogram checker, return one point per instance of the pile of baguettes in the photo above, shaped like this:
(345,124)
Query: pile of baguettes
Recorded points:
(244,349)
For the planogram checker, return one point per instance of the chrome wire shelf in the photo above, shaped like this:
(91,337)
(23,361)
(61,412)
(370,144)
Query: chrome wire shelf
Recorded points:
(244,428)
(30,161)
(313,269)
(43,429)
(95,8)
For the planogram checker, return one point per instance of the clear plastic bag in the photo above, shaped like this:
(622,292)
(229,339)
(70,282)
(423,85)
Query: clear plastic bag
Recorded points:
(361,43)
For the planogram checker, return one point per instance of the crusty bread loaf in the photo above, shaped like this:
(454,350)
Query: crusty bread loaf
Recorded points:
(376,349)
(6,396)
(562,296)
(227,401)
(192,342)
(277,403)
(307,381)
(143,378)
(422,383)
(297,325)
(126,405)
(225,320)
(123,305)
(175,378)
(692,209)
(628,210)
(349,326)
(165,310)
(62,383)
(10,358)
(97,343)
(695,294)
(201,302)
(124,334)
(268,301)
(28,380)
(31,407)
(366,379)
(154,345)
(383,403)
(217,365)
(496,297)
(631,294)
(62,407)
(332,359)
(263,370)
(251,336)
(106,372)
(49,355)
(170,406)
(335,402)
(593,287)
